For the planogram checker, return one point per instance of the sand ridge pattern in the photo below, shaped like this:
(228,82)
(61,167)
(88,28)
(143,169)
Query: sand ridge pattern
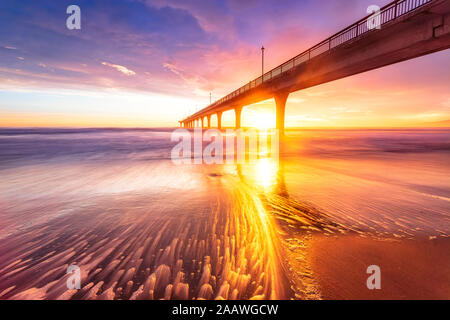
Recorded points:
(225,252)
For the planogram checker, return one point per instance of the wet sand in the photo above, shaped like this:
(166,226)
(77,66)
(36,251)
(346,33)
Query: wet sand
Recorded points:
(140,227)
(410,269)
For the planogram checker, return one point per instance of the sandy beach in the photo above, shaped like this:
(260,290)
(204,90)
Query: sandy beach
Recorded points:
(410,269)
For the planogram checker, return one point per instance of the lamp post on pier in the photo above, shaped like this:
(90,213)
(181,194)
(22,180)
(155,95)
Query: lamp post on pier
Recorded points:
(262,62)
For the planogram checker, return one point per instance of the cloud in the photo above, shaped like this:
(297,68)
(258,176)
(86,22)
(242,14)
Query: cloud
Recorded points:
(446,103)
(173,68)
(299,118)
(343,110)
(212,16)
(425,115)
(120,68)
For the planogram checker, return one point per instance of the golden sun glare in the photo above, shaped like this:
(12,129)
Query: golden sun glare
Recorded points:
(262,121)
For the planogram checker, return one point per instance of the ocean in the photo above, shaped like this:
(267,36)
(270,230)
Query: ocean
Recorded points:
(112,202)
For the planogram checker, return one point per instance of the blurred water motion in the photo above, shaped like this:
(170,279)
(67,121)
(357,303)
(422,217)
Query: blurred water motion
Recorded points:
(139,227)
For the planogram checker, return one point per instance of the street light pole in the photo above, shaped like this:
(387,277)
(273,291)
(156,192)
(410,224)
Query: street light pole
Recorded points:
(262,61)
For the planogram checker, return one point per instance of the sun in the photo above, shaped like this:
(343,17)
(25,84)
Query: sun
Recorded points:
(262,120)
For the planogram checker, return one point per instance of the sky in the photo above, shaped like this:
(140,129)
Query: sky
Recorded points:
(150,63)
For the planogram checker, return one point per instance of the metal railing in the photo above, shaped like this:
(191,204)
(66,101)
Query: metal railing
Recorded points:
(387,14)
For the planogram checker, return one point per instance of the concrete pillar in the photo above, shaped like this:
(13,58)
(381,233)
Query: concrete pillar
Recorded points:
(280,101)
(201,122)
(208,117)
(219,120)
(238,112)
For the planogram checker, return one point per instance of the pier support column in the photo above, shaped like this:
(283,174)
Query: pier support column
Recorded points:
(201,122)
(238,112)
(280,101)
(219,120)
(209,121)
